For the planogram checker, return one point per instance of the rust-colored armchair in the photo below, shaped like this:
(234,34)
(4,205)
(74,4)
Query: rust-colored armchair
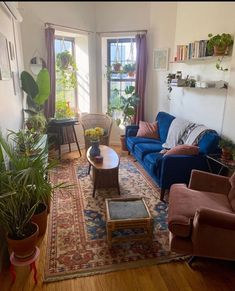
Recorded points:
(201,217)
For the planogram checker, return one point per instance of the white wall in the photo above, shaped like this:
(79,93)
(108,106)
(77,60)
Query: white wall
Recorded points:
(194,21)
(161,35)
(11,102)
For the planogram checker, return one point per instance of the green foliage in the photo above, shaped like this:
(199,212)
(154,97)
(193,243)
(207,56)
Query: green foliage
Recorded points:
(24,184)
(37,123)
(66,68)
(223,40)
(63,110)
(37,91)
(124,104)
(226,143)
(129,68)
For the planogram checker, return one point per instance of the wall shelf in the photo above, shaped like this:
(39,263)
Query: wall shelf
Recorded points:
(210,58)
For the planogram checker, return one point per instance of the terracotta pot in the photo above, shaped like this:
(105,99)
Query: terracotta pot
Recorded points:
(123,142)
(220,51)
(131,74)
(226,154)
(117,67)
(24,248)
(40,218)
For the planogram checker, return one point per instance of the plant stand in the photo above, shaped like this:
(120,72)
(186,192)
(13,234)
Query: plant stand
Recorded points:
(31,262)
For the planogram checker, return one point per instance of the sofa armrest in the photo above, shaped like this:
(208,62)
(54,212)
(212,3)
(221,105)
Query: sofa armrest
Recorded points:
(177,168)
(204,181)
(131,130)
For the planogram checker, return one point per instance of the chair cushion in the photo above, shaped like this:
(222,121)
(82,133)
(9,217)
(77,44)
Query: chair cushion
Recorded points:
(148,129)
(142,149)
(183,150)
(184,202)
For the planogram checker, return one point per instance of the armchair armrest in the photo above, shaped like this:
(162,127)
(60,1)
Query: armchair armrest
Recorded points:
(215,218)
(131,130)
(204,181)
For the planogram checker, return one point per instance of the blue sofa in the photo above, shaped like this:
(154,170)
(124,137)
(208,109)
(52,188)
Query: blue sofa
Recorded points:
(169,169)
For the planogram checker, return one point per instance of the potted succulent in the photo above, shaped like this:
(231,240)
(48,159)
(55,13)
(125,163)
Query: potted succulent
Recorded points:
(227,146)
(219,44)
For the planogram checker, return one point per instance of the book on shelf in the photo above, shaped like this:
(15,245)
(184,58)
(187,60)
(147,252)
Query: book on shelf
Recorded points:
(193,50)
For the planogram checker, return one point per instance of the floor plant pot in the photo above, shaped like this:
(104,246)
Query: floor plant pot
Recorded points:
(40,218)
(226,154)
(123,142)
(24,248)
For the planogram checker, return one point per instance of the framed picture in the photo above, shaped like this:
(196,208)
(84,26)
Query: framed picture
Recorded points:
(160,59)
(5,71)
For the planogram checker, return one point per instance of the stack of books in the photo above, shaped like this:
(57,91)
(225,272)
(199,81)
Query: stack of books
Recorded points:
(194,50)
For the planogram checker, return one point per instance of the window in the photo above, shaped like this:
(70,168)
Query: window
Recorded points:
(121,61)
(66,80)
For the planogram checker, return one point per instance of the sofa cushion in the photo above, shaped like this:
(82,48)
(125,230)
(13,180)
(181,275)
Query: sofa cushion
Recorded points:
(183,150)
(142,149)
(208,143)
(152,162)
(183,203)
(164,121)
(148,129)
(132,141)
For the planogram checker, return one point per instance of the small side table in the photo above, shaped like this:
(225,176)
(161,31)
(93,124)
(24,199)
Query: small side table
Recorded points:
(65,133)
(31,262)
(223,165)
(128,213)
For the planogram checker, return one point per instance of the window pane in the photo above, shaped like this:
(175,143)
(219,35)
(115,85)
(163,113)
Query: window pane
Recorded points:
(65,93)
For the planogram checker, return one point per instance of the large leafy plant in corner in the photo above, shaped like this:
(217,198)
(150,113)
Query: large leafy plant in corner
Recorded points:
(37,92)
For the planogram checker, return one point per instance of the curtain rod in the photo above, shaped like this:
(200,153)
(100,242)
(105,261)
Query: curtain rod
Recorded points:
(123,31)
(67,27)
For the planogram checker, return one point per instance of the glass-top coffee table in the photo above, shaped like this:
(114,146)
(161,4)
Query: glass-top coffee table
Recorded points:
(128,214)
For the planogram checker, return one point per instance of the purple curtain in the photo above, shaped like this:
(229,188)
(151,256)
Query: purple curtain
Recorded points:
(49,107)
(141,71)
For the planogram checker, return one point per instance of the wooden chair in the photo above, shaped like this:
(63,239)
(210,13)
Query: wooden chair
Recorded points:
(92,120)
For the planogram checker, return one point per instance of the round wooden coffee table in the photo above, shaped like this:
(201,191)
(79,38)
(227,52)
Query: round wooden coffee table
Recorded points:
(105,174)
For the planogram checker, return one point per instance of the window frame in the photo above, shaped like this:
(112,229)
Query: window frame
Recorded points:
(109,42)
(72,40)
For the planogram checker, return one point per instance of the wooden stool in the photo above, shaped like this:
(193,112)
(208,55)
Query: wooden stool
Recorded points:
(16,262)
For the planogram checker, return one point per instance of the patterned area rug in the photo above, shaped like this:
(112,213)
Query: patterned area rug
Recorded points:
(77,243)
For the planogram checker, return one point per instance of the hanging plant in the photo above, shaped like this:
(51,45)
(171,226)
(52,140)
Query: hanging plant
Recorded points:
(66,66)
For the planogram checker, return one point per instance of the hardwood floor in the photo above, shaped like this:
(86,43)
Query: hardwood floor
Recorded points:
(204,275)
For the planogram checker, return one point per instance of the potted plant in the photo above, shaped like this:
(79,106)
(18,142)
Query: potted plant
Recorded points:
(37,94)
(117,67)
(15,210)
(130,69)
(28,159)
(227,146)
(219,44)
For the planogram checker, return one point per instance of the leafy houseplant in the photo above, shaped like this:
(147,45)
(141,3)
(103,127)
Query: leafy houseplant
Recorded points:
(63,110)
(219,43)
(227,146)
(37,94)
(130,69)
(126,105)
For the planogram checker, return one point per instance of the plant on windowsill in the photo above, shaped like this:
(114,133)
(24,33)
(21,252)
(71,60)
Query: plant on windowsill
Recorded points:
(219,45)
(130,69)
